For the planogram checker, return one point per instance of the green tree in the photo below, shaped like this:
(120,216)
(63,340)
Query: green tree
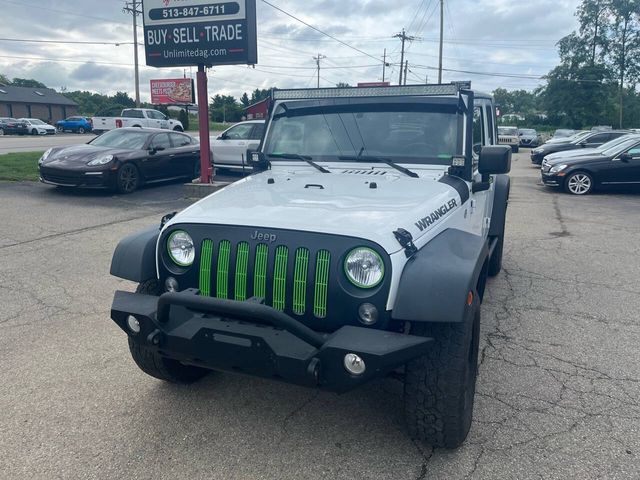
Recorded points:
(342,85)
(4,80)
(244,100)
(259,94)
(225,108)
(27,82)
(123,98)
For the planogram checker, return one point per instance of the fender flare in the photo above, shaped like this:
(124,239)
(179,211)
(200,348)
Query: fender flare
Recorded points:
(500,204)
(436,281)
(135,256)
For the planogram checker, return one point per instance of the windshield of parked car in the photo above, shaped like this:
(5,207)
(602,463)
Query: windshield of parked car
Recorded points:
(507,131)
(425,134)
(619,145)
(527,131)
(122,139)
(579,136)
(564,133)
(36,122)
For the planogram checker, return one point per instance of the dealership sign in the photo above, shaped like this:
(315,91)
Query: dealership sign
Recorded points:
(200,32)
(172,91)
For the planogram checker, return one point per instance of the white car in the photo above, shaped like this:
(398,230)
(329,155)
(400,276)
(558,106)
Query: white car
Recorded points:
(38,127)
(230,148)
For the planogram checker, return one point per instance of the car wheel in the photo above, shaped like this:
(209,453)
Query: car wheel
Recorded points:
(439,388)
(34,132)
(579,183)
(1,132)
(61,129)
(153,364)
(81,130)
(128,178)
(178,129)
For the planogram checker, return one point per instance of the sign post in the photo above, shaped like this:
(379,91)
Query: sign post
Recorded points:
(202,33)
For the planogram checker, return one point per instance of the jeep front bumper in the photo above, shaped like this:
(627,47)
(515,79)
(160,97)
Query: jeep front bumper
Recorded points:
(255,339)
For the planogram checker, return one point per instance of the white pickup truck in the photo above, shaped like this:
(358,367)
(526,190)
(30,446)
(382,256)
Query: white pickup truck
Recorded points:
(136,117)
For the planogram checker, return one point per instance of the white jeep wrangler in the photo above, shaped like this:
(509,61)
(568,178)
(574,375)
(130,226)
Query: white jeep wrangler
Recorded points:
(360,247)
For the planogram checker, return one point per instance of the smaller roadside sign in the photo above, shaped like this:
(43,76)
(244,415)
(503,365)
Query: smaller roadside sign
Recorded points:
(181,33)
(177,91)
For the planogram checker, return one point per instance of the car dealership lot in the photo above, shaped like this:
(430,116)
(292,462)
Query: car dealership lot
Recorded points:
(557,393)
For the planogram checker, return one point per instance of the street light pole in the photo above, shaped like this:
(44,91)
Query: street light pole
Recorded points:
(132,7)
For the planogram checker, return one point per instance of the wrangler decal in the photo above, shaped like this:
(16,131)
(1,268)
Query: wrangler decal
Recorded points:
(432,218)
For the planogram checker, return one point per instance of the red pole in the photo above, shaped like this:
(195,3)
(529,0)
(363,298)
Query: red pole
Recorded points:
(206,163)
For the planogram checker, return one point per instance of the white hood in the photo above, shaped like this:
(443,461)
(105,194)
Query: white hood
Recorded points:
(303,199)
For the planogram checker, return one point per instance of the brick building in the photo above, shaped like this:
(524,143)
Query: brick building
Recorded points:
(42,103)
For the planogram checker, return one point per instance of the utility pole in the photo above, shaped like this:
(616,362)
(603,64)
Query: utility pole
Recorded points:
(406,69)
(317,59)
(441,40)
(384,65)
(135,8)
(404,37)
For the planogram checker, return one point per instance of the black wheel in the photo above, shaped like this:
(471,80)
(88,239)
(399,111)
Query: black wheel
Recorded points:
(155,365)
(128,178)
(579,183)
(440,387)
(34,132)
(81,130)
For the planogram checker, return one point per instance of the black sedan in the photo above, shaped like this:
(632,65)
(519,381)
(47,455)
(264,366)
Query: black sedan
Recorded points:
(618,166)
(123,159)
(12,126)
(590,140)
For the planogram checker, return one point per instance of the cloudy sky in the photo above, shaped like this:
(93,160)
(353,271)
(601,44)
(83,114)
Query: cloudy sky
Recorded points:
(494,43)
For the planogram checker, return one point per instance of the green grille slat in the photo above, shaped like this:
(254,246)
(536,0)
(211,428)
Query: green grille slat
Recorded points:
(242,263)
(222,284)
(205,268)
(322,284)
(260,271)
(300,281)
(280,277)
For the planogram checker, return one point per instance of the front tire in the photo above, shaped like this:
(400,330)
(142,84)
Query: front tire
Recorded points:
(155,365)
(127,178)
(34,132)
(81,130)
(579,183)
(440,387)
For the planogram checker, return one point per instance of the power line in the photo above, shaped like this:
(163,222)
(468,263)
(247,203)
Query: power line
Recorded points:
(67,12)
(63,42)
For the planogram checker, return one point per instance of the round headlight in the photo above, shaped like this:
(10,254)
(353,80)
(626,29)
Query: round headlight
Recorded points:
(364,267)
(181,248)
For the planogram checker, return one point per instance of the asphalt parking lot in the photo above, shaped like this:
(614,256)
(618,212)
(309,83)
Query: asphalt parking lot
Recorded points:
(558,391)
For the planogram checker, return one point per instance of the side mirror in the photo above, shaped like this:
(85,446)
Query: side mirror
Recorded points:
(257,160)
(224,136)
(495,160)
(626,158)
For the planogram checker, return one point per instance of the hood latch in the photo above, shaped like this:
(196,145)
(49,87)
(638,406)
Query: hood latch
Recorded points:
(405,239)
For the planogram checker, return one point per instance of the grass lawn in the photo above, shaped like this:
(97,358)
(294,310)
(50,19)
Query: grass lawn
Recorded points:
(214,127)
(18,167)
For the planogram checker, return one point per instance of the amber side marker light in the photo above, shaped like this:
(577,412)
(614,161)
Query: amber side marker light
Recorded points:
(470,299)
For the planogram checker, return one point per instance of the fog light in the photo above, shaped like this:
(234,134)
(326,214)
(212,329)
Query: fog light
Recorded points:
(171,285)
(133,324)
(354,364)
(368,314)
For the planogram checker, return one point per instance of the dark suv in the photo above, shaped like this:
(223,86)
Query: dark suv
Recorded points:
(591,140)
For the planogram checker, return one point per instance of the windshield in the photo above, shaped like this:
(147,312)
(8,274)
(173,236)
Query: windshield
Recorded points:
(35,122)
(389,131)
(122,139)
(619,145)
(507,131)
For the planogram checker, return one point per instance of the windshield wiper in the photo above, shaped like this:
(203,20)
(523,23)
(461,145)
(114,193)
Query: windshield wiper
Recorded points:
(295,156)
(367,158)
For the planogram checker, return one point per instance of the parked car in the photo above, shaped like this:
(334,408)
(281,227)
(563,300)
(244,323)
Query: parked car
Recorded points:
(75,124)
(577,135)
(590,140)
(528,137)
(509,136)
(38,127)
(615,167)
(230,148)
(563,133)
(136,117)
(11,126)
(123,159)
(583,152)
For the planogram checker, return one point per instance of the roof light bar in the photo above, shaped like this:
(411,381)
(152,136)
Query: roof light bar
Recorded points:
(351,92)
